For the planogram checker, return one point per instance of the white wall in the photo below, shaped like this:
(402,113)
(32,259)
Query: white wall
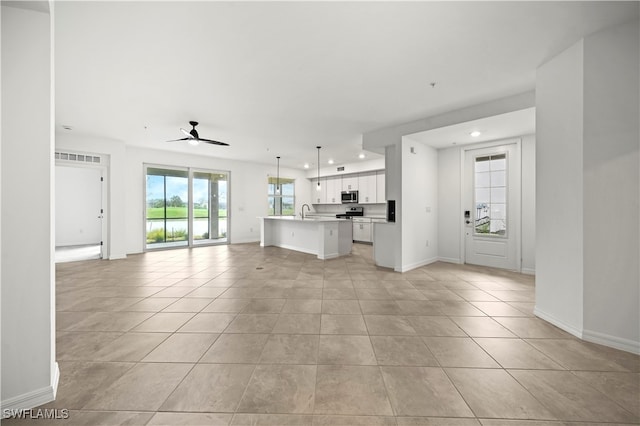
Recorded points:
(29,372)
(588,189)
(349,168)
(559,201)
(419,204)
(528,201)
(247,191)
(78,202)
(611,185)
(450,211)
(390,140)
(116,184)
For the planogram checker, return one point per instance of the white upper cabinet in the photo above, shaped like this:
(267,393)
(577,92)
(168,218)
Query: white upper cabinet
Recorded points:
(350,183)
(334,188)
(319,197)
(367,188)
(370,185)
(380,187)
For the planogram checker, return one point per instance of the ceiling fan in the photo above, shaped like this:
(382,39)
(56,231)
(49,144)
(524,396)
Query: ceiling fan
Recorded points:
(193,138)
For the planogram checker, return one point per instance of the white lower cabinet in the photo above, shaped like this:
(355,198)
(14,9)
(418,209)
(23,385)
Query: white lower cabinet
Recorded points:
(372,226)
(362,230)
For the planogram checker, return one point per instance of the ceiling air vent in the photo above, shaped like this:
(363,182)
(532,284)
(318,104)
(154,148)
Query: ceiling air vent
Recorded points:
(341,169)
(77,158)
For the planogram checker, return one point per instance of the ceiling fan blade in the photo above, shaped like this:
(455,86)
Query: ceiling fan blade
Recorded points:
(213,142)
(185,131)
(178,140)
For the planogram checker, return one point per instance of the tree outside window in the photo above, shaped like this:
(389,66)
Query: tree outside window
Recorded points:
(282,198)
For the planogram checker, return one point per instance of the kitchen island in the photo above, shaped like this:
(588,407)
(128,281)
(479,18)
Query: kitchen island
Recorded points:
(325,237)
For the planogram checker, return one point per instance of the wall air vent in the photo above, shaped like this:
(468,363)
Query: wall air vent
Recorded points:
(78,158)
(341,169)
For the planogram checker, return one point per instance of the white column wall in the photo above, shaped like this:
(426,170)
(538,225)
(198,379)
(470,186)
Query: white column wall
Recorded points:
(419,204)
(588,188)
(29,372)
(612,186)
(528,197)
(559,190)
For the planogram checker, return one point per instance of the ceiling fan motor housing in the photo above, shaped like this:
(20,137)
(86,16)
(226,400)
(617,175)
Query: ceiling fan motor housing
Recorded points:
(193,131)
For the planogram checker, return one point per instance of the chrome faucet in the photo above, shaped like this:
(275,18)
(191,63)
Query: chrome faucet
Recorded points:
(303,210)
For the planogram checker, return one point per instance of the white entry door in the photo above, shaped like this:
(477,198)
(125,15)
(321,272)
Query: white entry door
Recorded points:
(492,206)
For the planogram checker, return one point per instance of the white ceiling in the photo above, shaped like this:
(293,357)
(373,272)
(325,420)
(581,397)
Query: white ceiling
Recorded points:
(279,78)
(503,126)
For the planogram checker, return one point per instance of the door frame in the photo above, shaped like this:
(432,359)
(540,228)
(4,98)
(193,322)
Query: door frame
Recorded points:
(518,228)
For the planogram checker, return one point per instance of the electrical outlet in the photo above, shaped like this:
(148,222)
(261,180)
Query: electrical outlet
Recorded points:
(250,229)
(427,244)
(428,209)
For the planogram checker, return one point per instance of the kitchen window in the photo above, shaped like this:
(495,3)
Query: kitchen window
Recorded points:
(281,194)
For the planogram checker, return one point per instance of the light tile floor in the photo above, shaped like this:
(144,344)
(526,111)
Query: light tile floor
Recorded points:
(243,335)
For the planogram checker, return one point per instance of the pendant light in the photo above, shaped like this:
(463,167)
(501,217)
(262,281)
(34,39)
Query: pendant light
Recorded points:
(278,176)
(318,187)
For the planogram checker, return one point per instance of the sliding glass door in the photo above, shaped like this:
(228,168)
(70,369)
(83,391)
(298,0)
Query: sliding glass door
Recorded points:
(185,207)
(167,213)
(210,207)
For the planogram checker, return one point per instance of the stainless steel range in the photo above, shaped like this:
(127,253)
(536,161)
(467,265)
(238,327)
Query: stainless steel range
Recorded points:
(350,212)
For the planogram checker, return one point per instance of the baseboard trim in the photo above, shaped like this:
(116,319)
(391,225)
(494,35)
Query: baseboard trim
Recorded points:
(295,248)
(328,256)
(528,271)
(245,241)
(34,398)
(612,341)
(55,379)
(558,323)
(409,267)
(449,260)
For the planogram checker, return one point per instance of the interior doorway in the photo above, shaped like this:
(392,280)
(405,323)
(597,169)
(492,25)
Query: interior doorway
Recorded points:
(492,205)
(79,213)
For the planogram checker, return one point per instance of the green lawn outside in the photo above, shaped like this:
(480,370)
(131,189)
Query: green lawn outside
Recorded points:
(179,212)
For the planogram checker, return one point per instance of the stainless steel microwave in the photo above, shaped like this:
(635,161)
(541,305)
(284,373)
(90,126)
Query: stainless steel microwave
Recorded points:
(349,197)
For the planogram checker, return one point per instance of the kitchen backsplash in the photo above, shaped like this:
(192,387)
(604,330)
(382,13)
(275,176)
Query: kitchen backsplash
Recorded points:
(369,209)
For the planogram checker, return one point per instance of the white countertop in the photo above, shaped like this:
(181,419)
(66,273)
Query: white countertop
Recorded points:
(333,215)
(309,219)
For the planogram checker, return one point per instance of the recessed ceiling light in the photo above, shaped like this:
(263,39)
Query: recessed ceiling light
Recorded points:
(306,165)
(361,156)
(475,134)
(330,161)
